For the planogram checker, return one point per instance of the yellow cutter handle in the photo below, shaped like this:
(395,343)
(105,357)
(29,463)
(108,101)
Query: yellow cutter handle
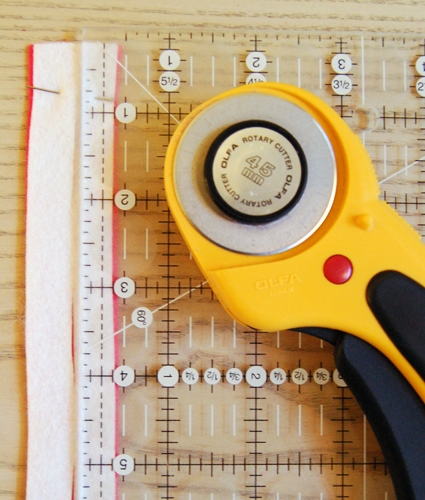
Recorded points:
(336,280)
(296,291)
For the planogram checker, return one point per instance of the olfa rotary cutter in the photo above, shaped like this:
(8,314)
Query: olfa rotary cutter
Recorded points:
(278,202)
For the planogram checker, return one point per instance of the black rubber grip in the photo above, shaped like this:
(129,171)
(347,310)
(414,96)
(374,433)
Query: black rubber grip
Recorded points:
(398,303)
(393,409)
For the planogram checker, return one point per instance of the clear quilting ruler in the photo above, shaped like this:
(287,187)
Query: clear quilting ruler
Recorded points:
(175,400)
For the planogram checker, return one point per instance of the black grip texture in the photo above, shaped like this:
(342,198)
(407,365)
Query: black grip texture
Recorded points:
(394,410)
(398,303)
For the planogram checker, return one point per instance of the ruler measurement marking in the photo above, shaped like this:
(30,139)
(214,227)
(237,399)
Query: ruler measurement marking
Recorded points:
(124,331)
(125,243)
(164,306)
(277,420)
(212,420)
(405,88)
(123,420)
(266,464)
(320,73)
(384,76)
(299,72)
(141,84)
(125,156)
(168,320)
(342,442)
(404,169)
(300,420)
(212,331)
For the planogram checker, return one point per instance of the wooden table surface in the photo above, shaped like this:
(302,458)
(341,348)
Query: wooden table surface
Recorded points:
(24,22)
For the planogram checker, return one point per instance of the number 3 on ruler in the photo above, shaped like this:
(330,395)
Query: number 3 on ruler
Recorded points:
(124,287)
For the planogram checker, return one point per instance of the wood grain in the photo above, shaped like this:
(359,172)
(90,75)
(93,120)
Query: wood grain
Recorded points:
(25,22)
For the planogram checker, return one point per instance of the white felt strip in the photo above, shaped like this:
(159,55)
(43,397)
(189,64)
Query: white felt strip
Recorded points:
(52,156)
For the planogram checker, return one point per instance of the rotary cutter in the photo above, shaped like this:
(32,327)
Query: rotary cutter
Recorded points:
(278,202)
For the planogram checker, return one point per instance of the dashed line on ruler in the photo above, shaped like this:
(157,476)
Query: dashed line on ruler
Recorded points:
(125,156)
(124,327)
(212,331)
(212,420)
(320,73)
(212,71)
(124,250)
(300,419)
(123,420)
(384,75)
(299,72)
(385,159)
(405,76)
(277,420)
(124,331)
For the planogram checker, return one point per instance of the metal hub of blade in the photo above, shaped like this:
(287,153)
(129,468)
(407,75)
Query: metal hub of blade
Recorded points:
(255,174)
(255,171)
